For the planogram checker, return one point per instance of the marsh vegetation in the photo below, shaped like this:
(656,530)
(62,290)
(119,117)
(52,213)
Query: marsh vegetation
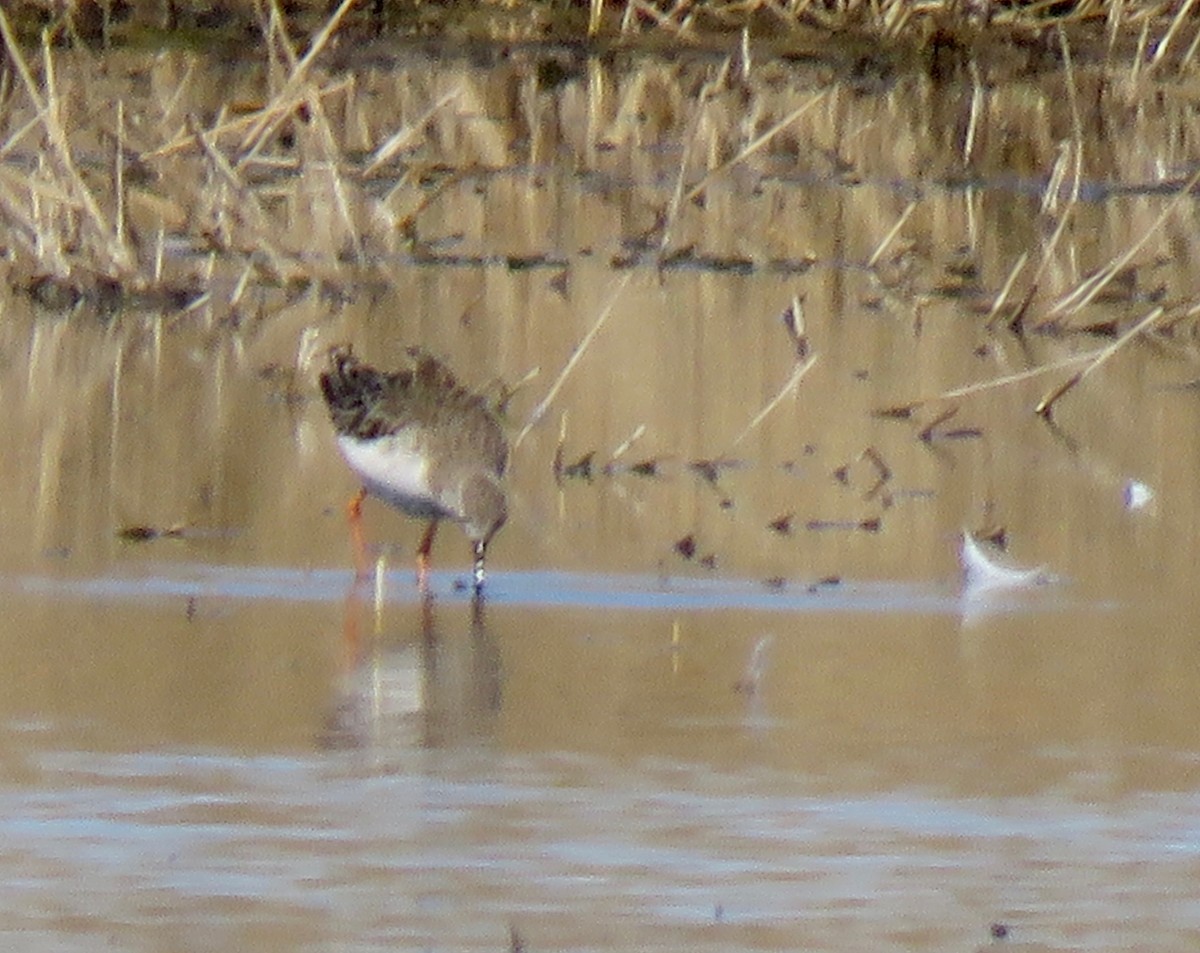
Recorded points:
(782,296)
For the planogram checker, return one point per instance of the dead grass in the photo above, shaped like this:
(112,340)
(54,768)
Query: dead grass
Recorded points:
(166,182)
(293,177)
(941,35)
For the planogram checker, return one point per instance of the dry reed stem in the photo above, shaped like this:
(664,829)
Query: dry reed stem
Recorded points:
(689,143)
(118,255)
(1139,57)
(624,446)
(1076,183)
(789,385)
(1085,292)
(977,103)
(754,146)
(925,435)
(275,29)
(890,236)
(160,247)
(1053,190)
(1018,317)
(994,383)
(119,172)
(333,162)
(1005,290)
(1164,44)
(400,138)
(15,139)
(580,349)
(1045,407)
(23,224)
(187,140)
(595,14)
(1116,10)
(286,98)
(744,55)
(251,212)
(171,104)
(243,282)
(120,258)
(1190,53)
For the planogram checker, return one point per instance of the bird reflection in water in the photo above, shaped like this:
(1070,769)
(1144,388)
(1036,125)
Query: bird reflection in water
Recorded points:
(433,687)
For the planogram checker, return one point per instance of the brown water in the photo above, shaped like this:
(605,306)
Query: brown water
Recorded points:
(813,739)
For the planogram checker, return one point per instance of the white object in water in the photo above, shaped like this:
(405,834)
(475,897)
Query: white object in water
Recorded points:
(1137,495)
(985,567)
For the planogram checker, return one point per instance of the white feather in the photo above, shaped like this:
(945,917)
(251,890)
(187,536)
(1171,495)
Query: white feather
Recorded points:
(985,568)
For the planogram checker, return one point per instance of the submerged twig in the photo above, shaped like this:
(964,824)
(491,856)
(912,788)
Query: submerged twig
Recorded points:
(1045,407)
(795,325)
(927,432)
(905,410)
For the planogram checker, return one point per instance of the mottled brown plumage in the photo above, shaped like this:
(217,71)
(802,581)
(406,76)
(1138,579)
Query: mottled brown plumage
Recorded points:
(422,442)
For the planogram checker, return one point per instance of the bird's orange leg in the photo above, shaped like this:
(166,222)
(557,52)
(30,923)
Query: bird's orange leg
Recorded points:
(358,542)
(423,552)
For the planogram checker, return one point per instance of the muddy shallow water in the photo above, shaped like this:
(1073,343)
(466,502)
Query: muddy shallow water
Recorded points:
(727,692)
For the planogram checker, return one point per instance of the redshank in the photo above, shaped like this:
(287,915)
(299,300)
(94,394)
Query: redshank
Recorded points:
(420,441)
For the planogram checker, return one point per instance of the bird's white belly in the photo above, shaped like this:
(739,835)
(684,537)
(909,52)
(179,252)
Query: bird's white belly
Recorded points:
(392,469)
